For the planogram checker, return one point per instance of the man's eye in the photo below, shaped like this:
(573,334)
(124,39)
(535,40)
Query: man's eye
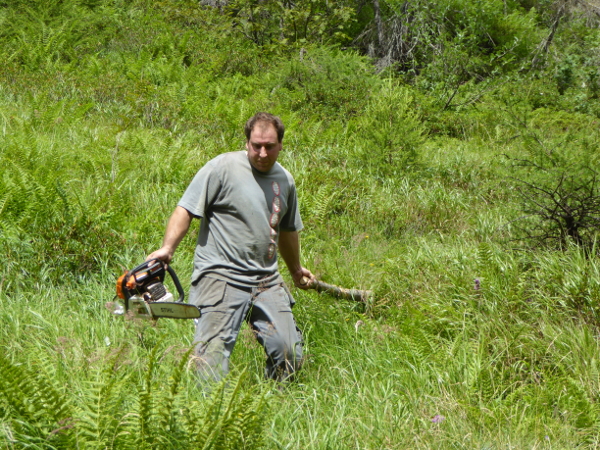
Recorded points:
(268,147)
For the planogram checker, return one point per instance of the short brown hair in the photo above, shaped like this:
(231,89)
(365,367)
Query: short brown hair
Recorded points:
(268,118)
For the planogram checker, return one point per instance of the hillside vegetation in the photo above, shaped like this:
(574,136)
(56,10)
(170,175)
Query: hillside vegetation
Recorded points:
(446,155)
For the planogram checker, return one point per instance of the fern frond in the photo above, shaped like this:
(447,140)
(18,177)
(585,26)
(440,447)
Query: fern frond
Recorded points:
(4,200)
(314,134)
(36,409)
(485,256)
(167,414)
(100,416)
(232,418)
(146,403)
(320,203)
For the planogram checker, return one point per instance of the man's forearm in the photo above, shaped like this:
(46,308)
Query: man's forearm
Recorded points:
(177,228)
(289,249)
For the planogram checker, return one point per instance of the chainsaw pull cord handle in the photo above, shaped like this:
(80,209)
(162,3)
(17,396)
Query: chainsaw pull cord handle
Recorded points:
(180,290)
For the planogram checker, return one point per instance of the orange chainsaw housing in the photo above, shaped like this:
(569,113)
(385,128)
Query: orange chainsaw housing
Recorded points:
(134,282)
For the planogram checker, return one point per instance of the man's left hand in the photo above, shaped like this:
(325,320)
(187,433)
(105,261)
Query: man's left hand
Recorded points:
(303,278)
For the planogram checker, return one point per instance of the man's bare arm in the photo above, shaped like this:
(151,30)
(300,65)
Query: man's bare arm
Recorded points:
(289,249)
(177,228)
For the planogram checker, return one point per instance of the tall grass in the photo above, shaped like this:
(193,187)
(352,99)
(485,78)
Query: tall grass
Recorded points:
(473,338)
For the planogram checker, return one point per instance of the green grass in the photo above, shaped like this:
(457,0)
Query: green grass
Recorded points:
(108,109)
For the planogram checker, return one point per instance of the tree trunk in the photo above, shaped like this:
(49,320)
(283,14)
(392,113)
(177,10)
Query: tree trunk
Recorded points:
(379,24)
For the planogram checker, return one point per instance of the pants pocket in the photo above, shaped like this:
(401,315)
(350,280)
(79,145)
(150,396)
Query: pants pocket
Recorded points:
(207,292)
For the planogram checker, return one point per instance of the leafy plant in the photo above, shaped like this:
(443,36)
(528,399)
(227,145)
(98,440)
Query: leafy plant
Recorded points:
(282,23)
(558,189)
(118,413)
(390,131)
(109,107)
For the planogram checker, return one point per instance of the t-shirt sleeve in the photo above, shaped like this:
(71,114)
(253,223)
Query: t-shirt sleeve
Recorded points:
(202,191)
(291,221)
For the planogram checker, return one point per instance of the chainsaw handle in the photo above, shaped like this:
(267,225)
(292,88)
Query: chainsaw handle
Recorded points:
(180,290)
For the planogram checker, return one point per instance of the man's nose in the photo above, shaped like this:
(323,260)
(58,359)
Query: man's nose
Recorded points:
(262,152)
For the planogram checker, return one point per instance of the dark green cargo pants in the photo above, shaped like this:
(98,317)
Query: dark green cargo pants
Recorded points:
(224,307)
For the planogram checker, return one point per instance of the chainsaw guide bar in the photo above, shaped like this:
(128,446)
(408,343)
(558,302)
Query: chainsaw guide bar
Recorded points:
(138,307)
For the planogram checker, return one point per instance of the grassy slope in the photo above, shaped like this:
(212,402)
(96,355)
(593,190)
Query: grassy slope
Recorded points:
(97,148)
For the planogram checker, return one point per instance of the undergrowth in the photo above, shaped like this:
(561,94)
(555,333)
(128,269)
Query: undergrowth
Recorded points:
(413,159)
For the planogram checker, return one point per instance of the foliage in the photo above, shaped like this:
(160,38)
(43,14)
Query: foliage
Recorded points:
(119,411)
(410,154)
(284,23)
(567,210)
(462,39)
(324,84)
(558,183)
(390,131)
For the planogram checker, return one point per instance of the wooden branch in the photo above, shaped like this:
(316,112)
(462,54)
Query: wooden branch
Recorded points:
(338,292)
(545,44)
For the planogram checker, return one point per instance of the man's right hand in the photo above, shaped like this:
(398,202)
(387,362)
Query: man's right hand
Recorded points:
(164,254)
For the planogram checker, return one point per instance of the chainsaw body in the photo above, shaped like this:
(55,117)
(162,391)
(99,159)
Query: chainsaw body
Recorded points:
(145,296)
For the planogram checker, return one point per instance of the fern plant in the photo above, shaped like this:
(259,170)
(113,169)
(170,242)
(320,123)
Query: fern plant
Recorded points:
(391,131)
(36,412)
(232,419)
(100,423)
(114,411)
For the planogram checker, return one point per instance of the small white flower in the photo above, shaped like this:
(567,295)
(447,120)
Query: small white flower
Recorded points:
(358,324)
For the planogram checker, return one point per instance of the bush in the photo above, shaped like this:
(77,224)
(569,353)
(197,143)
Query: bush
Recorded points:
(324,83)
(558,183)
(389,133)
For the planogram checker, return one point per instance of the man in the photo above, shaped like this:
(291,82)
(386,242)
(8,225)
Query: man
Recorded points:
(249,208)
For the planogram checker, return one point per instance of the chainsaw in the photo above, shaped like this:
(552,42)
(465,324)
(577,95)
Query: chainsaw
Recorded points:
(145,296)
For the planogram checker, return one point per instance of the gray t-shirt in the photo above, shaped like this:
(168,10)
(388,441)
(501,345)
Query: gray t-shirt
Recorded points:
(242,212)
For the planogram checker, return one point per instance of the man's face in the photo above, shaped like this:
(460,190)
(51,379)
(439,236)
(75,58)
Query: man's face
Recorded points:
(263,146)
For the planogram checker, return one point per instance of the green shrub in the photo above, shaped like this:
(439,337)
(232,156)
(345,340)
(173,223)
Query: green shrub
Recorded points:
(323,84)
(389,133)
